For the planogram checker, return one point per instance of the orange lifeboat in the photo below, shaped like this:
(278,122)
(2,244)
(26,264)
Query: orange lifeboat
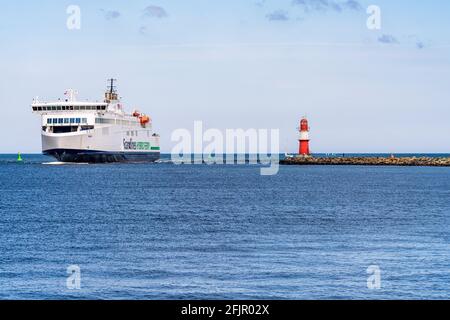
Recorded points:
(144,120)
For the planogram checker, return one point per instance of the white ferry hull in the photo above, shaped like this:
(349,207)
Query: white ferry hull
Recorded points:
(94,146)
(92,156)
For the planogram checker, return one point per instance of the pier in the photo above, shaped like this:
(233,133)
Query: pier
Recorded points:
(368,161)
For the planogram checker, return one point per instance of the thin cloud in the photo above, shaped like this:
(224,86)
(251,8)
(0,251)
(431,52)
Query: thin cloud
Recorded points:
(352,5)
(110,14)
(387,39)
(143,30)
(309,6)
(278,15)
(155,12)
(420,45)
(416,41)
(260,3)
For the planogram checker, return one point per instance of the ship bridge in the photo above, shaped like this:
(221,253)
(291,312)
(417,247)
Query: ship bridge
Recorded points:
(68,106)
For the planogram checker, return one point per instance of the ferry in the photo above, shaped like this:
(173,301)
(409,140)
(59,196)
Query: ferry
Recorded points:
(95,132)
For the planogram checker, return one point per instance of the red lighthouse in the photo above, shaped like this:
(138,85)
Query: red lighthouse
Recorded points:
(303,149)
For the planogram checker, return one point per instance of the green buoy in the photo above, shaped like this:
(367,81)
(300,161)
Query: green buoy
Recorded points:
(19,157)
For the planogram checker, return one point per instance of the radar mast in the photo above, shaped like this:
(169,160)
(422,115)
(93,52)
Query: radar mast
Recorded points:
(111,93)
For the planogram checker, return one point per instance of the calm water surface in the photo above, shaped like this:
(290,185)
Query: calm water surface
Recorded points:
(162,231)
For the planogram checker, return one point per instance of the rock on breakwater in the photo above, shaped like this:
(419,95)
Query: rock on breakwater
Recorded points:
(369,161)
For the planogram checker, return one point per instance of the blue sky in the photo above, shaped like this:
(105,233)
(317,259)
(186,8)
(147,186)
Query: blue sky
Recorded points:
(239,64)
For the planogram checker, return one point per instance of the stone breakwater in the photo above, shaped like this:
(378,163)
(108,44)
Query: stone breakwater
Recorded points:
(369,161)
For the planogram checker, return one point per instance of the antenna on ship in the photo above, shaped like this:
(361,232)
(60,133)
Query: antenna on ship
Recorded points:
(111,94)
(112,87)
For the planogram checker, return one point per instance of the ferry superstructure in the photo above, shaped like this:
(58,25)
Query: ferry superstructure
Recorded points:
(92,132)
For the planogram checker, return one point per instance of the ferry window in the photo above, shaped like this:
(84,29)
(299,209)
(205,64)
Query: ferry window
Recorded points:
(70,108)
(55,120)
(64,108)
(54,108)
(66,120)
(60,120)
(83,108)
(72,120)
(77,108)
(98,107)
(58,108)
(49,121)
(84,120)
(88,107)
(103,107)
(132,133)
(77,120)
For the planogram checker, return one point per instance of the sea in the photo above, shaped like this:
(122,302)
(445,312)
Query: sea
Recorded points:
(168,231)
